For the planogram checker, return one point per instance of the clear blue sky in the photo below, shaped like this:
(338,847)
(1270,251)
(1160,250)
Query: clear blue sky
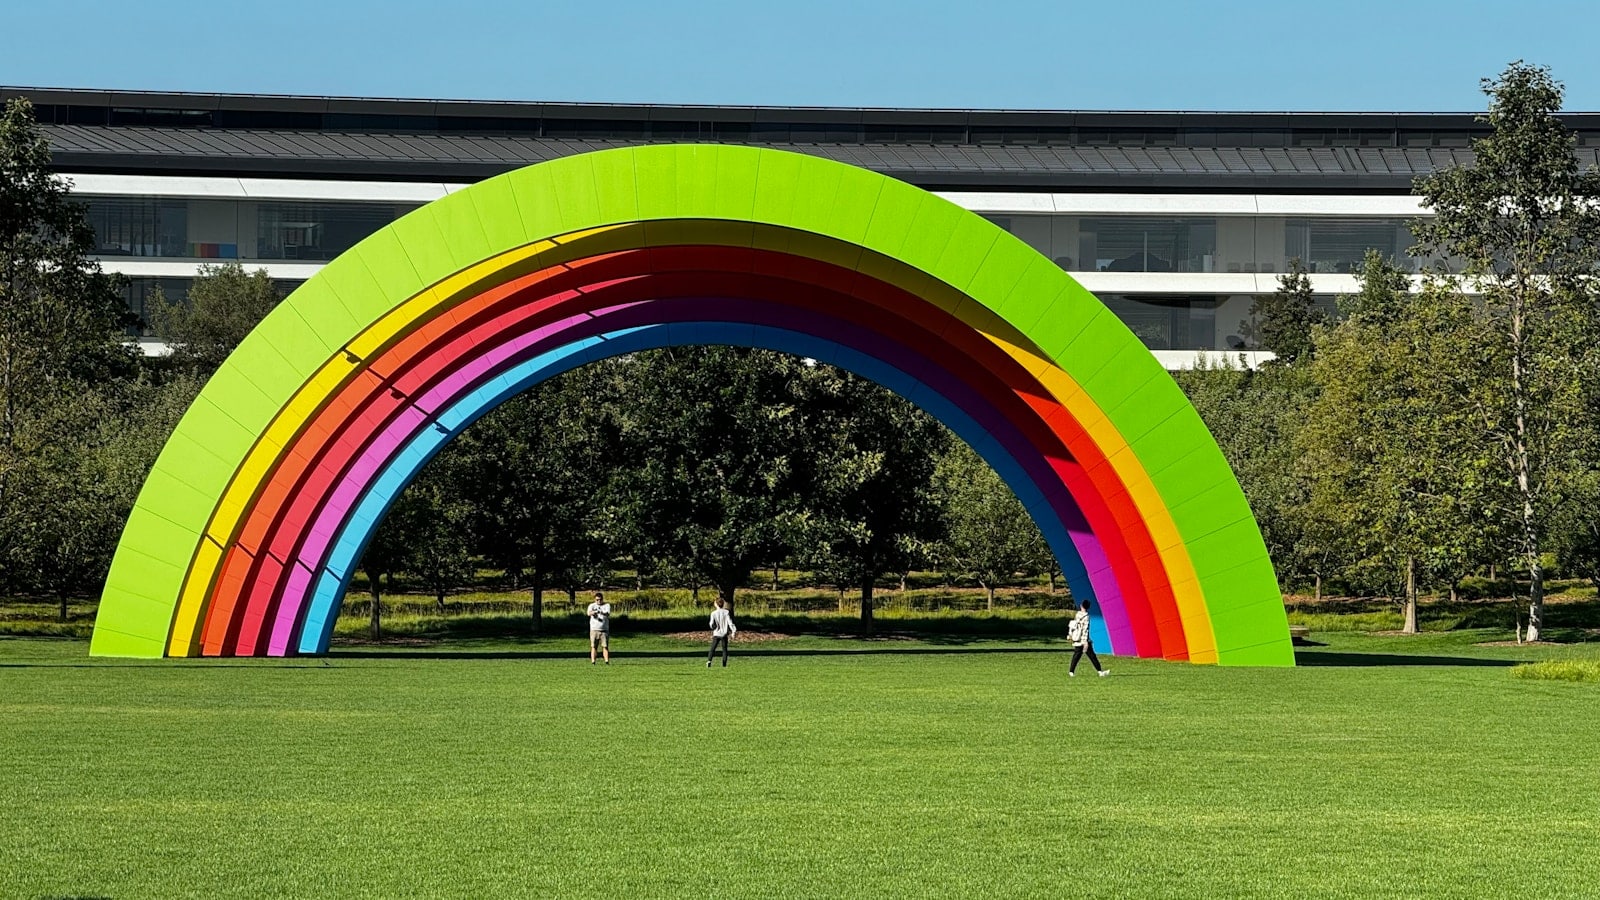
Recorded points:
(1108,54)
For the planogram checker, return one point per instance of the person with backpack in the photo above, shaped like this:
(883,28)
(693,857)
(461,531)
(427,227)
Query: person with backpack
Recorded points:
(722,628)
(1078,632)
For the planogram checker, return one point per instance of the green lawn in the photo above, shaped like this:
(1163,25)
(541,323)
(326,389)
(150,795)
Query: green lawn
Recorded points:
(813,767)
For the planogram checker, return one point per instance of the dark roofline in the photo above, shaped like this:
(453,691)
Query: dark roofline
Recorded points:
(463,141)
(208,101)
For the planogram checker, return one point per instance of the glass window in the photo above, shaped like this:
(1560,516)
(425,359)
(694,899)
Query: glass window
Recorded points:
(138,226)
(1119,243)
(318,231)
(1145,244)
(1168,322)
(1339,245)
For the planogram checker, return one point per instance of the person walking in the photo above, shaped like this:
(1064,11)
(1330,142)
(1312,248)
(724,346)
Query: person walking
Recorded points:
(599,628)
(1078,631)
(722,628)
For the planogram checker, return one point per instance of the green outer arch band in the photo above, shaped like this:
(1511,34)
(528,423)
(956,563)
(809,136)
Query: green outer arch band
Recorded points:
(737,184)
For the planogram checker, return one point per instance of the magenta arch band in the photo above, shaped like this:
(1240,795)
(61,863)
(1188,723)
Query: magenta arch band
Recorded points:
(346,524)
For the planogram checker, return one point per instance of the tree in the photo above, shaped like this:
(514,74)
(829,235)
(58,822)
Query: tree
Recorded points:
(1523,222)
(1577,523)
(1390,446)
(706,475)
(437,551)
(1577,537)
(61,322)
(1283,319)
(385,553)
(537,471)
(80,462)
(224,304)
(989,535)
(59,314)
(870,501)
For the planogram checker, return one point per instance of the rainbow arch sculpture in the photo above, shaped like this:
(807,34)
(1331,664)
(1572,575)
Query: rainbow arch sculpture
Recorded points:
(248,527)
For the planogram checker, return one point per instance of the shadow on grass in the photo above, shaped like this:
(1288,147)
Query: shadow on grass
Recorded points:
(622,655)
(172,662)
(1376,660)
(892,644)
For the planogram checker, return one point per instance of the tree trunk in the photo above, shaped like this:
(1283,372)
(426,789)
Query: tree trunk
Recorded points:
(726,591)
(774,576)
(903,576)
(63,607)
(1522,463)
(572,595)
(8,428)
(377,604)
(1052,573)
(1535,599)
(537,590)
(866,603)
(1411,596)
(988,590)
(438,594)
(1319,587)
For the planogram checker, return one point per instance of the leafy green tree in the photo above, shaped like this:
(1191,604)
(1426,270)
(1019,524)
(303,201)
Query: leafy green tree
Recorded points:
(1383,297)
(989,535)
(706,472)
(224,304)
(1523,221)
(61,347)
(1283,319)
(386,553)
(869,501)
(1577,535)
(438,548)
(537,472)
(59,314)
(80,461)
(1391,444)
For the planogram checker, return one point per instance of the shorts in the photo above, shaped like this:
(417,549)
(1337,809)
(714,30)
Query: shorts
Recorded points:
(600,638)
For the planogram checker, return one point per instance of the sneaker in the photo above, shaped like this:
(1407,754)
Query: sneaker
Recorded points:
(708,663)
(1072,674)
(1104,672)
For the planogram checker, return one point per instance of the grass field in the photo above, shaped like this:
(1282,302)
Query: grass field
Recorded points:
(813,767)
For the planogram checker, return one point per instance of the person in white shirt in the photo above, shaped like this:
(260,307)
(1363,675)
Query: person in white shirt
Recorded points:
(722,628)
(600,628)
(1078,631)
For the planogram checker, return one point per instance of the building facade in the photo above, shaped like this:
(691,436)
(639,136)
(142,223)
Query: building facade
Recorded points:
(1176,220)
